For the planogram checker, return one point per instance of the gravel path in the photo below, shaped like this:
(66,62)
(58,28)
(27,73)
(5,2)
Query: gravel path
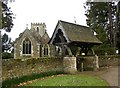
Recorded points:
(111,75)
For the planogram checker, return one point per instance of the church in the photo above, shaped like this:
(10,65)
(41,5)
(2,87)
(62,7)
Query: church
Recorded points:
(33,43)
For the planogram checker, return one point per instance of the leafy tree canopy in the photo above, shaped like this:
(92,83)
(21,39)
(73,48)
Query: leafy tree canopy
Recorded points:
(7,18)
(6,43)
(102,17)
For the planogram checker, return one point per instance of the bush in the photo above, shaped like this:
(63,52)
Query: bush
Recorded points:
(12,83)
(104,49)
(6,55)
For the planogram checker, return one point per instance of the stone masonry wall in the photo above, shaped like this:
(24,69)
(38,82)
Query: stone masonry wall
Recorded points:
(106,61)
(12,68)
(103,61)
(18,67)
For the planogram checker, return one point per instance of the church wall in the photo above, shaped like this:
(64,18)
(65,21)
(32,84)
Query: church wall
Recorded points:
(52,50)
(18,47)
(35,50)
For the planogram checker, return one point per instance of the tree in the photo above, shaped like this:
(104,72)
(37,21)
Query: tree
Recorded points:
(6,21)
(5,15)
(7,18)
(118,26)
(6,46)
(101,17)
(6,43)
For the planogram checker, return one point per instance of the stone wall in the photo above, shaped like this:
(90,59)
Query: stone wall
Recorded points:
(86,63)
(110,60)
(103,61)
(18,46)
(18,67)
(69,65)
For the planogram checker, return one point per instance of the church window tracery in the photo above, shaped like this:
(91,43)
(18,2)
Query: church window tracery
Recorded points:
(26,46)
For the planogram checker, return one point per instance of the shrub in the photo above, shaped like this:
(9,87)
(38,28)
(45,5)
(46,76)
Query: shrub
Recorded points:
(6,55)
(11,83)
(104,49)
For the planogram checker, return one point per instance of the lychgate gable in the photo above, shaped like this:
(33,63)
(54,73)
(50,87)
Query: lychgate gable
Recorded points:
(68,34)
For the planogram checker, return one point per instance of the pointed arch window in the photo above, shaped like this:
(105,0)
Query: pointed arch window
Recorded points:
(26,46)
(37,29)
(46,50)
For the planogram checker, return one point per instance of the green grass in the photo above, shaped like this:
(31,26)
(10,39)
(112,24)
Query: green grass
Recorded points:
(69,80)
(10,83)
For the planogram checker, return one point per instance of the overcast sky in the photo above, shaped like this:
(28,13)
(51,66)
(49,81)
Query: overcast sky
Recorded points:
(48,11)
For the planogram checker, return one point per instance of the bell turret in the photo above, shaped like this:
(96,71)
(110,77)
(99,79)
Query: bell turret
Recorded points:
(39,27)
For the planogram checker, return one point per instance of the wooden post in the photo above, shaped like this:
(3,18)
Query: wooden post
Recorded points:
(69,50)
(63,50)
(81,66)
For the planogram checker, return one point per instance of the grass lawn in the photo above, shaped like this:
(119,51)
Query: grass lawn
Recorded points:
(69,80)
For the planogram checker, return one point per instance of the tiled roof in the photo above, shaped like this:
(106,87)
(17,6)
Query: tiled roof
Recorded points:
(79,33)
(36,35)
(44,39)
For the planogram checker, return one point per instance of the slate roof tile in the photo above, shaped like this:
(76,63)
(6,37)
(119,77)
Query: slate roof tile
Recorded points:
(79,33)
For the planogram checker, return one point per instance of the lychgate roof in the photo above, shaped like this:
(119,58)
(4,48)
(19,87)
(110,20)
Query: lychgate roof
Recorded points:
(77,33)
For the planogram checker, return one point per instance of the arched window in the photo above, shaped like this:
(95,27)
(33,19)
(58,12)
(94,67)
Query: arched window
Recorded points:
(46,50)
(26,46)
(37,29)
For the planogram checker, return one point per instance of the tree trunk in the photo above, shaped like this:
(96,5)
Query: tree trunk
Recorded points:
(0,15)
(116,26)
(111,32)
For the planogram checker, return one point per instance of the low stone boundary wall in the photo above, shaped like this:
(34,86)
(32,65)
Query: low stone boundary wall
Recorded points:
(87,63)
(69,65)
(110,60)
(12,68)
(103,61)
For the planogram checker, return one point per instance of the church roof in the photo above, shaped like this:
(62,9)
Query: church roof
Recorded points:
(36,35)
(77,33)
(44,39)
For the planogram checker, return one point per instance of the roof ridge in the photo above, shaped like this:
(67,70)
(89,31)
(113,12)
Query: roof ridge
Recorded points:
(45,34)
(72,23)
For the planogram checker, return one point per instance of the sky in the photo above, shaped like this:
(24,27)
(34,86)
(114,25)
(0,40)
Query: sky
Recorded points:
(45,11)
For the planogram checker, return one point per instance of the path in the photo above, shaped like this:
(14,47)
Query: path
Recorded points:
(110,75)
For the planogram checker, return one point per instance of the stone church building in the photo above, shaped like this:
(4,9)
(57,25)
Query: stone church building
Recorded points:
(35,42)
(70,41)
(32,43)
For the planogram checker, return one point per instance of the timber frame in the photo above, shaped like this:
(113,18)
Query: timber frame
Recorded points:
(68,34)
